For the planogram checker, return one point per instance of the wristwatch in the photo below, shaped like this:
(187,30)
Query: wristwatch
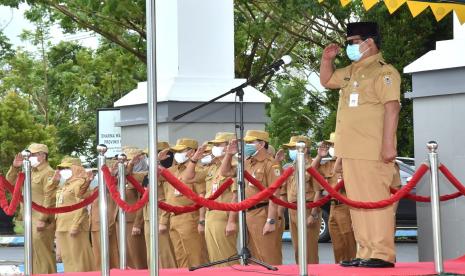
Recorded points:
(270,221)
(202,222)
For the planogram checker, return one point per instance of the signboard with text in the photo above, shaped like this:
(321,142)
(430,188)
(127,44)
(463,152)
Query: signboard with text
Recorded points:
(107,133)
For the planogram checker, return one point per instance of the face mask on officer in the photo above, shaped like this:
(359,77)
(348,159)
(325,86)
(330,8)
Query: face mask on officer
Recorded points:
(206,160)
(250,149)
(34,161)
(331,151)
(217,151)
(293,154)
(65,175)
(181,157)
(353,51)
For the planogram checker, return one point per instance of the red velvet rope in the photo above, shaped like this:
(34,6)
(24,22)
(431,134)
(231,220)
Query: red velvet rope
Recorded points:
(213,205)
(110,181)
(452,179)
(286,204)
(52,210)
(181,209)
(371,205)
(10,208)
(419,198)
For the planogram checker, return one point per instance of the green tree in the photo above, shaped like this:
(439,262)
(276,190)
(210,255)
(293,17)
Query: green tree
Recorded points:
(18,129)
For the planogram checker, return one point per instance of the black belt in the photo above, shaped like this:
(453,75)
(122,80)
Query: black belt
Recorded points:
(259,205)
(336,202)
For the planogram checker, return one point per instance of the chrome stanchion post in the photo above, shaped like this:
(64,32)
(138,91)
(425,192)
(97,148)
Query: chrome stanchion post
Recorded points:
(122,215)
(301,209)
(435,206)
(27,213)
(102,204)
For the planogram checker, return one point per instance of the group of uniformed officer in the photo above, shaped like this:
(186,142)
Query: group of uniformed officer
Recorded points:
(365,146)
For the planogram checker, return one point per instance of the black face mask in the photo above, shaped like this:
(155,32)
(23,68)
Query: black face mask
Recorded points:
(168,162)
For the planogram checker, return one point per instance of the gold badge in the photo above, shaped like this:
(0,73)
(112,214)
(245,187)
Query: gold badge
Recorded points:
(277,172)
(387,80)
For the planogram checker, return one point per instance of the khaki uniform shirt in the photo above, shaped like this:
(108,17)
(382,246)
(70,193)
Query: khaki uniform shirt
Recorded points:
(163,216)
(42,187)
(112,213)
(327,171)
(70,194)
(173,196)
(311,186)
(365,87)
(213,180)
(264,169)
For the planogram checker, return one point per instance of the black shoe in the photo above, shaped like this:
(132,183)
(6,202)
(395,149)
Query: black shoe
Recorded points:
(353,262)
(375,263)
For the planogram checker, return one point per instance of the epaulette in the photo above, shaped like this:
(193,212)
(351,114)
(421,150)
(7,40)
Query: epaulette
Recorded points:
(382,62)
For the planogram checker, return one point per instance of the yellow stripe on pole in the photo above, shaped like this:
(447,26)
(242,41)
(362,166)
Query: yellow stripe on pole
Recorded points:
(345,2)
(417,7)
(440,10)
(368,4)
(393,5)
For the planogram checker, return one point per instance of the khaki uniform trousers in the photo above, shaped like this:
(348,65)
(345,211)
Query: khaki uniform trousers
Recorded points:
(76,252)
(341,232)
(189,246)
(136,252)
(219,245)
(113,247)
(43,255)
(266,248)
(166,256)
(370,180)
(313,234)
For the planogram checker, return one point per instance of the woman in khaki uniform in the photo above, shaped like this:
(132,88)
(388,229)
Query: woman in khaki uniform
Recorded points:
(72,228)
(220,226)
(135,241)
(313,193)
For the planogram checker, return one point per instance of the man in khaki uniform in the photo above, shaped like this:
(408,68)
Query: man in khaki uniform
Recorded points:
(366,127)
(340,224)
(166,255)
(112,211)
(312,193)
(220,226)
(135,240)
(264,239)
(43,226)
(189,244)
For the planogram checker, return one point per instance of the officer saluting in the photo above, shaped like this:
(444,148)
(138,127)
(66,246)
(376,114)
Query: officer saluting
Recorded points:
(366,127)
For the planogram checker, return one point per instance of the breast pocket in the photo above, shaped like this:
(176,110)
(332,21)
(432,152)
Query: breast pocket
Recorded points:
(367,92)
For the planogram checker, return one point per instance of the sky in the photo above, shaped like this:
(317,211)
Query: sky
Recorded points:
(13,22)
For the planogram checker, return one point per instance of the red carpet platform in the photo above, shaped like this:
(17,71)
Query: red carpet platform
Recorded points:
(456,266)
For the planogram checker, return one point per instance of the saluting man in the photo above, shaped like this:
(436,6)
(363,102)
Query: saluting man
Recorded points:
(366,126)
(43,193)
(312,193)
(264,240)
(340,224)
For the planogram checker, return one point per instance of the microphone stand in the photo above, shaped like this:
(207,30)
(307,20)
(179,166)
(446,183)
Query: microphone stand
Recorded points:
(244,254)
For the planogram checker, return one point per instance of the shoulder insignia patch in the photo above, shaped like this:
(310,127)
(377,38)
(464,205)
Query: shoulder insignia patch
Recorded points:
(49,178)
(387,79)
(277,172)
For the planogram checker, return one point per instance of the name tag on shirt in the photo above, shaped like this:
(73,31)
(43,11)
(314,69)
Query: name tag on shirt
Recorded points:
(177,193)
(353,100)
(215,187)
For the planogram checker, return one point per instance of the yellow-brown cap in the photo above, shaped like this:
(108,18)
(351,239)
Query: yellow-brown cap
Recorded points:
(222,137)
(184,143)
(35,148)
(132,152)
(160,146)
(295,139)
(68,161)
(253,135)
(332,138)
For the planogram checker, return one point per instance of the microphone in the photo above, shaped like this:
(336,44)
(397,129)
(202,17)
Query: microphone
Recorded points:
(285,60)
